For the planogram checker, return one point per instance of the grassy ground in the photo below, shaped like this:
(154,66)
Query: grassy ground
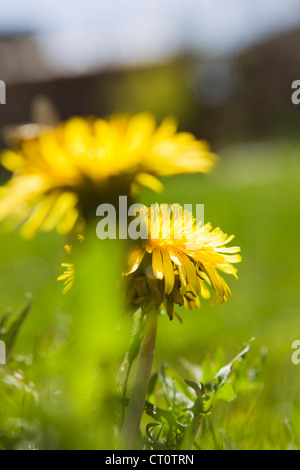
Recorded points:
(254,193)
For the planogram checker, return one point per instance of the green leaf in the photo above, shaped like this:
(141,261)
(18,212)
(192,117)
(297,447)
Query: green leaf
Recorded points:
(10,331)
(226,393)
(199,390)
(224,373)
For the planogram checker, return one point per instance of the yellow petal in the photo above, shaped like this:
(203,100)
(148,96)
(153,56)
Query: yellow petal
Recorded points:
(135,258)
(37,217)
(149,181)
(64,203)
(157,264)
(169,272)
(11,160)
(183,280)
(204,291)
(191,273)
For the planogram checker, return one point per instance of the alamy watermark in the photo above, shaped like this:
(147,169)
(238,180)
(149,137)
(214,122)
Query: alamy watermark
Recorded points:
(296,94)
(2,353)
(2,92)
(132,222)
(296,354)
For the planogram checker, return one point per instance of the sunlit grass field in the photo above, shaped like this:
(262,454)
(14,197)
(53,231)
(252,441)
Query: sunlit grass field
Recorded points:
(253,193)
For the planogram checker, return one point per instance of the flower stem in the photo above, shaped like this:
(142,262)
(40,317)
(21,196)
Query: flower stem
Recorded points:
(130,431)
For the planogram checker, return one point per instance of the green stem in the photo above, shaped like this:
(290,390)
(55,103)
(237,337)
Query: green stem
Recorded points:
(130,431)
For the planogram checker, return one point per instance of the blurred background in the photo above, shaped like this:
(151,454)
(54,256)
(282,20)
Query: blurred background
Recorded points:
(225,70)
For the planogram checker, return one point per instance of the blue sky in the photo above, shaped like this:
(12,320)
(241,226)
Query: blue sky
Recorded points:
(84,33)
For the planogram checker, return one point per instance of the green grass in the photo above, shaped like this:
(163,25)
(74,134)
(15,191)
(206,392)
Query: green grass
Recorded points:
(253,193)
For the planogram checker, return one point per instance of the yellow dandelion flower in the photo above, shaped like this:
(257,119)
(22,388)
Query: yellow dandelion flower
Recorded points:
(66,172)
(68,276)
(69,273)
(179,260)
